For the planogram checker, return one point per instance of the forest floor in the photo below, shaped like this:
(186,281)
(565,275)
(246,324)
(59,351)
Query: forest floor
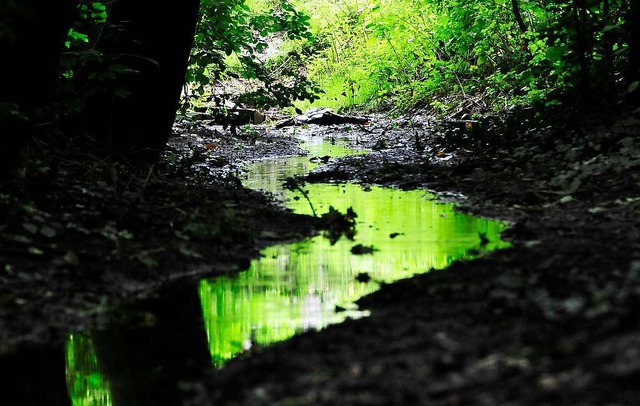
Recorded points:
(553,320)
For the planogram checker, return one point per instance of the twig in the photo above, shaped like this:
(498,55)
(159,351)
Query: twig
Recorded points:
(294,184)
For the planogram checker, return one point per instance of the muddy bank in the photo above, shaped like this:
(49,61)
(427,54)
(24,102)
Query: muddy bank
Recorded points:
(553,320)
(81,235)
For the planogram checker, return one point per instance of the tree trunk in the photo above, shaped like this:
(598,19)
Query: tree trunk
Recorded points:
(633,71)
(30,44)
(515,8)
(155,40)
(582,44)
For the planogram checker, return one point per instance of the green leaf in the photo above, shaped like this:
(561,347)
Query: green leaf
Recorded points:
(555,54)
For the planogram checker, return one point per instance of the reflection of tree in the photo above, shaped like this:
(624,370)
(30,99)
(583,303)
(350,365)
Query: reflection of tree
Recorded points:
(270,174)
(140,363)
(33,376)
(86,383)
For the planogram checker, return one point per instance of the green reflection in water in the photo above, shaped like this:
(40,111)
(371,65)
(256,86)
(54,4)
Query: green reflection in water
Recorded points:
(269,174)
(87,386)
(296,287)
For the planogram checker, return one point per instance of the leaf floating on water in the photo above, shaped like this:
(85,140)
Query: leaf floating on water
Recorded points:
(361,249)
(363,277)
(483,239)
(337,224)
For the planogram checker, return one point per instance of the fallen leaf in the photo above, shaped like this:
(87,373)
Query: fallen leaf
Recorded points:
(566,199)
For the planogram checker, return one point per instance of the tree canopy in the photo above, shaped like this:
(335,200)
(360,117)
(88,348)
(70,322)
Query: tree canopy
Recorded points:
(507,53)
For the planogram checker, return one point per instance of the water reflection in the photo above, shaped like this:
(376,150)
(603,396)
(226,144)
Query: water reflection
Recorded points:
(269,174)
(297,287)
(292,288)
(85,379)
(142,360)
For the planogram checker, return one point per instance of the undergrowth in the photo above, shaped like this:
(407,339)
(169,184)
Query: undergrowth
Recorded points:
(507,54)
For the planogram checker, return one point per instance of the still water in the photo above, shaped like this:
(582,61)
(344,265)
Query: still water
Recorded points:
(298,286)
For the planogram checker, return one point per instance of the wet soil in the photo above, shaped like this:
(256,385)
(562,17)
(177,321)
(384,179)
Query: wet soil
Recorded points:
(553,320)
(80,234)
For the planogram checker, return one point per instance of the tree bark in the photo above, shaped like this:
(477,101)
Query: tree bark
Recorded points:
(582,44)
(633,70)
(518,15)
(29,72)
(607,43)
(155,40)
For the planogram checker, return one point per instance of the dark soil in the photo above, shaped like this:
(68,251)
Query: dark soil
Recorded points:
(553,320)
(80,234)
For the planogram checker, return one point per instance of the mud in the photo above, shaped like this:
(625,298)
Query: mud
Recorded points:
(553,320)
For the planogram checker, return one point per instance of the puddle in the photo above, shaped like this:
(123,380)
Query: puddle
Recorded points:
(292,288)
(300,286)
(269,174)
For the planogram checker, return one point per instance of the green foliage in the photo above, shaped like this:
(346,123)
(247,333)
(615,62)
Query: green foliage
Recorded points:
(230,31)
(450,55)
(584,45)
(379,52)
(86,70)
(90,14)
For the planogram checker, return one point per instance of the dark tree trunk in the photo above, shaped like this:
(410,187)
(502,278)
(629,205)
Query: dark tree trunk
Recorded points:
(29,70)
(515,7)
(175,348)
(582,48)
(633,72)
(156,39)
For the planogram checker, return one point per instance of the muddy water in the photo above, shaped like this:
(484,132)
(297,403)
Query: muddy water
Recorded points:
(299,286)
(291,288)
